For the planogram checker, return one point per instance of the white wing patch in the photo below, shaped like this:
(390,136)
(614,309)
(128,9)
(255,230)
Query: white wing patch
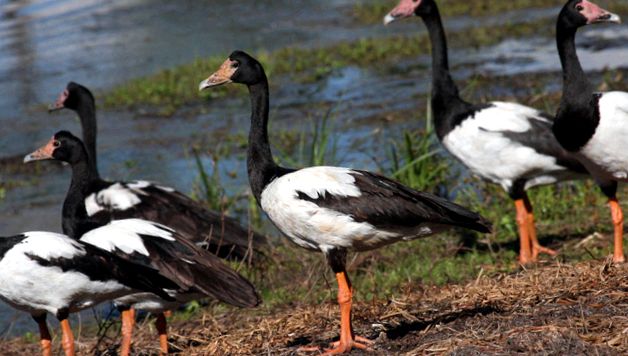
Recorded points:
(49,245)
(118,196)
(319,181)
(124,235)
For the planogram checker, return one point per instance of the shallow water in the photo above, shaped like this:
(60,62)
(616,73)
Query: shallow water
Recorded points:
(46,43)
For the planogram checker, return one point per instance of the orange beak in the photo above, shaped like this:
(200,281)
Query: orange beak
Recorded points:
(221,76)
(43,153)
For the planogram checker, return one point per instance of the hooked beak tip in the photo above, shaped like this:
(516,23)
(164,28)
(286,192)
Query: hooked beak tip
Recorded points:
(53,108)
(204,85)
(389,18)
(615,19)
(28,158)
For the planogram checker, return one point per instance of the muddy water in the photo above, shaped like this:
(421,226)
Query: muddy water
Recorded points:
(45,43)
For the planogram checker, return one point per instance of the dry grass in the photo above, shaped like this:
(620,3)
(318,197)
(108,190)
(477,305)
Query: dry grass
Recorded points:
(552,309)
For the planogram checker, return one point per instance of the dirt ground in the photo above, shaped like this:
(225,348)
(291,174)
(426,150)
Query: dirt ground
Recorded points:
(554,309)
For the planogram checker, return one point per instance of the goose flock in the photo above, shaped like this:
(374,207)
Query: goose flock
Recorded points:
(145,246)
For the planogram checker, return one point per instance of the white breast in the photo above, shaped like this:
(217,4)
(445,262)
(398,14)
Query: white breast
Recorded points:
(606,152)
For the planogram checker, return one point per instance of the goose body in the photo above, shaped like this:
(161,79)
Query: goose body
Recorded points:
(511,144)
(45,272)
(592,125)
(110,200)
(197,272)
(323,208)
(333,209)
(501,142)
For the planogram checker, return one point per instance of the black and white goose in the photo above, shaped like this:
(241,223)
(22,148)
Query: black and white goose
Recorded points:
(45,272)
(592,125)
(151,201)
(504,143)
(196,271)
(333,209)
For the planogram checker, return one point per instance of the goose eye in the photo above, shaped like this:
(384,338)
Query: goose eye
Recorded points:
(56,144)
(579,7)
(235,65)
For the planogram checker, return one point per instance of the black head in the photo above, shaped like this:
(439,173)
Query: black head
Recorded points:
(407,8)
(63,147)
(72,97)
(578,13)
(238,68)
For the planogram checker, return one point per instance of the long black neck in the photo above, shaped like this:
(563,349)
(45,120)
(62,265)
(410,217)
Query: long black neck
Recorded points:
(578,115)
(446,101)
(87,113)
(575,82)
(74,212)
(260,163)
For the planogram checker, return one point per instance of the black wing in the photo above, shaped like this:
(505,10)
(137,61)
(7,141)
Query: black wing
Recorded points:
(541,139)
(192,268)
(99,265)
(387,204)
(216,232)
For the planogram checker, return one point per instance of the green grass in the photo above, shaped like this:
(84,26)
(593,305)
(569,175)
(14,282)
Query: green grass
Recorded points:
(416,160)
(209,188)
(172,88)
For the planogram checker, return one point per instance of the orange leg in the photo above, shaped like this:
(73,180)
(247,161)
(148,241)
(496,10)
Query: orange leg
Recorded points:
(128,321)
(67,340)
(536,246)
(618,223)
(46,340)
(525,255)
(347,339)
(162,330)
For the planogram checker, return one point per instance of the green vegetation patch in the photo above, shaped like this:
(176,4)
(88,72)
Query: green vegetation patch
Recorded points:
(172,88)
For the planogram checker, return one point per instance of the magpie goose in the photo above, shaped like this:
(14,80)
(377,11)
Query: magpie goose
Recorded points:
(592,125)
(501,142)
(198,272)
(151,201)
(333,209)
